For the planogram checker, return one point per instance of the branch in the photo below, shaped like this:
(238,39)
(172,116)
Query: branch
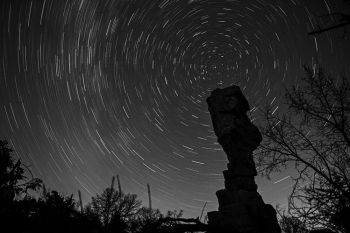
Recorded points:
(329,28)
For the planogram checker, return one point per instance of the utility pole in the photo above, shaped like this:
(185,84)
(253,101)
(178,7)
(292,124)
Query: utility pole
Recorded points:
(119,186)
(149,197)
(80,201)
(112,185)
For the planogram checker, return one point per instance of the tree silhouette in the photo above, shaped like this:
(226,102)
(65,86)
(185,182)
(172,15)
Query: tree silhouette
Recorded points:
(51,211)
(13,178)
(313,135)
(145,219)
(290,224)
(15,203)
(114,209)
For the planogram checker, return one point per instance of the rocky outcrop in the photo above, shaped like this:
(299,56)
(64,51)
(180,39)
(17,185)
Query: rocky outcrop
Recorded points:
(241,208)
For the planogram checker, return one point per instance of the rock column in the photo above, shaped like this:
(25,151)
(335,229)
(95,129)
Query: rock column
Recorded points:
(241,208)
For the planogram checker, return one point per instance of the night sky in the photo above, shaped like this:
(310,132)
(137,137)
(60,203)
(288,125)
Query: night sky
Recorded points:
(91,89)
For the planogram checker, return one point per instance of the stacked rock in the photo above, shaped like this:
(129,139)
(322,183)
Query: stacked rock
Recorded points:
(241,208)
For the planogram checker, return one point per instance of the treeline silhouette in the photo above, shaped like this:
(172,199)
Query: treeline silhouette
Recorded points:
(26,205)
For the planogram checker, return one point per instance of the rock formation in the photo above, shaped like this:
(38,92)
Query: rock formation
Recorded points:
(241,208)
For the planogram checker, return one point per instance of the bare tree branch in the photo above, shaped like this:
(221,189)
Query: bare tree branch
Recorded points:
(313,136)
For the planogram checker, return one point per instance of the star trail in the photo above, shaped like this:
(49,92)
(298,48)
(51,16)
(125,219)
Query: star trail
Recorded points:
(92,89)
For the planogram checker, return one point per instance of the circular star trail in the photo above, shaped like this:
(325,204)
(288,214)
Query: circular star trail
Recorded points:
(92,89)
